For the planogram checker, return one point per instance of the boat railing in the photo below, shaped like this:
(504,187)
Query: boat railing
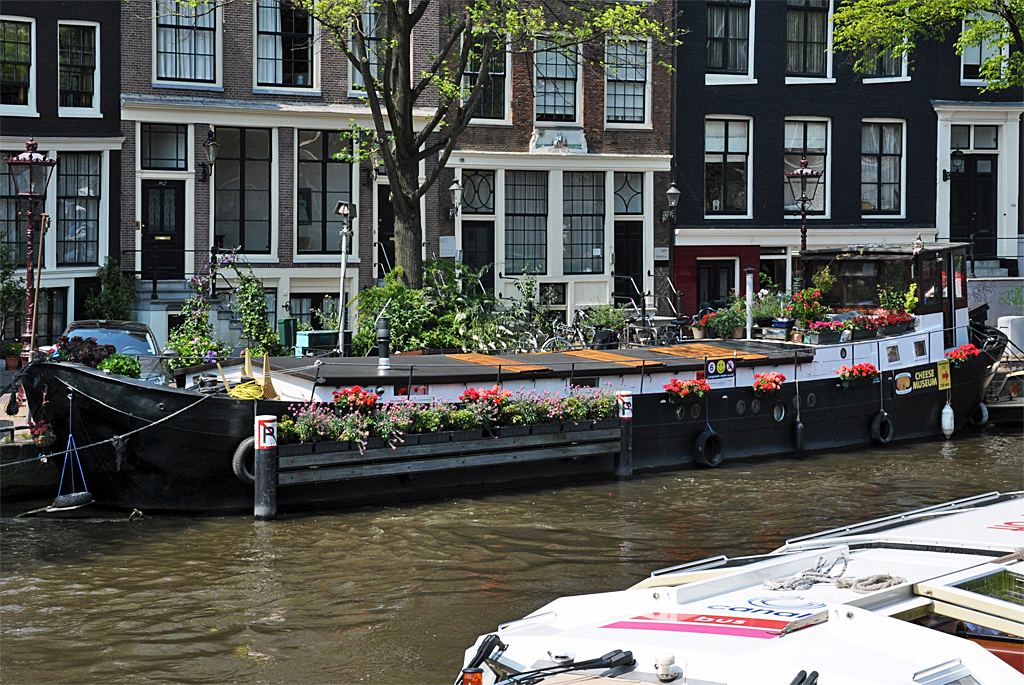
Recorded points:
(897,519)
(698,565)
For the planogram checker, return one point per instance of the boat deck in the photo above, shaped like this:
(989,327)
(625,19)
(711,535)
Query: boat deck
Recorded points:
(474,367)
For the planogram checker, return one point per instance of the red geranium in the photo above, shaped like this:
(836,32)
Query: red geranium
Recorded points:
(769,382)
(678,390)
(354,399)
(865,370)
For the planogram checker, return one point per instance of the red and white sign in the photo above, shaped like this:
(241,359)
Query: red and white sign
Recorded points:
(763,628)
(266,432)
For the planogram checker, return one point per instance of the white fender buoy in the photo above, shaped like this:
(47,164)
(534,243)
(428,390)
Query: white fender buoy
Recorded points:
(947,420)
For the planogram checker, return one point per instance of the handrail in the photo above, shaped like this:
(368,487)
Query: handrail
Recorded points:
(700,564)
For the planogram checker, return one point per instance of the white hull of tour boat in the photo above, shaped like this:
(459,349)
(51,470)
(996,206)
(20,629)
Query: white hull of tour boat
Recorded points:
(939,604)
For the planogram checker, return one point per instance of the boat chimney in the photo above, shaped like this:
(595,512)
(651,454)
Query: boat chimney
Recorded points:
(383,344)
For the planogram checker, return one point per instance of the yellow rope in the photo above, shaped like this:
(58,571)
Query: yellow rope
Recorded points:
(246,391)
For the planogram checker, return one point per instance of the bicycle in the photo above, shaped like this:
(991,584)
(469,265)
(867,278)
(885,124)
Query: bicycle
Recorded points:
(571,336)
(643,335)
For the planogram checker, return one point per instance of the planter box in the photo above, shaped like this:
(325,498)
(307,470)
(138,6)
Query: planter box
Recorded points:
(699,333)
(546,428)
(856,382)
(896,328)
(763,322)
(323,447)
(823,337)
(863,334)
(579,425)
(296,449)
(512,431)
(606,423)
(783,323)
(434,438)
(475,434)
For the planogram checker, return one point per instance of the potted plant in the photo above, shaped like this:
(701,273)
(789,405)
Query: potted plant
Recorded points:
(11,351)
(700,328)
(732,321)
(962,356)
(684,391)
(860,327)
(768,383)
(824,332)
(858,374)
(42,433)
(892,323)
(766,307)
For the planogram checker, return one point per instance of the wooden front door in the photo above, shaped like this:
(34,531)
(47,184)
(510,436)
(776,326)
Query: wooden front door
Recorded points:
(163,230)
(972,205)
(385,232)
(478,250)
(628,274)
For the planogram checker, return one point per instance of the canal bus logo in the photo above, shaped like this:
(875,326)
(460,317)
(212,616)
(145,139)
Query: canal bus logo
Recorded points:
(721,368)
(904,384)
(794,603)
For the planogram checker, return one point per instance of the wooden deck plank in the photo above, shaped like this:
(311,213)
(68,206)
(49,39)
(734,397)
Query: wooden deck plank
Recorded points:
(519,442)
(599,356)
(491,360)
(701,350)
(461,462)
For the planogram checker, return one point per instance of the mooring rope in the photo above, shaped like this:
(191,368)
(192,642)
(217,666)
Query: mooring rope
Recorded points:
(807,579)
(117,438)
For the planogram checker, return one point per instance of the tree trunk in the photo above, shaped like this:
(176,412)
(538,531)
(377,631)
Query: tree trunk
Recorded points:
(409,245)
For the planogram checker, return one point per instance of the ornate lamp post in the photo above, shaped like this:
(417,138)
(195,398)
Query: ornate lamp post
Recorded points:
(805,179)
(30,174)
(347,212)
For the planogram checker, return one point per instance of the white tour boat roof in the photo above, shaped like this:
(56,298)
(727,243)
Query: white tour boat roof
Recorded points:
(724,621)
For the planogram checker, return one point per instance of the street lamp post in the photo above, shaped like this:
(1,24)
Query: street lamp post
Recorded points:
(806,178)
(347,212)
(30,174)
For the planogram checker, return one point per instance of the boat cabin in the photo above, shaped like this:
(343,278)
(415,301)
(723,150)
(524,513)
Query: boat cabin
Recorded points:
(938,269)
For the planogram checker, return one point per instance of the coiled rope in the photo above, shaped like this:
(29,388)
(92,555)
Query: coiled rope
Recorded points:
(820,575)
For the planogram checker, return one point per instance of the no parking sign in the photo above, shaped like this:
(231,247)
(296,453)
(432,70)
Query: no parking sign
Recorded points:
(720,368)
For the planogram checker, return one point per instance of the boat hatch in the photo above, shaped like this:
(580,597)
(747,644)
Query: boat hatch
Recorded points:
(990,595)
(948,673)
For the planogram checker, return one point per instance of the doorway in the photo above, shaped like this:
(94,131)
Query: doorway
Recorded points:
(715,278)
(385,233)
(972,205)
(628,271)
(163,230)
(478,250)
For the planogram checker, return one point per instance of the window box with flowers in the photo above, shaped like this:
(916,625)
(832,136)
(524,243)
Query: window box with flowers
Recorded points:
(708,322)
(892,323)
(962,356)
(861,328)
(858,374)
(768,383)
(42,433)
(824,332)
(686,391)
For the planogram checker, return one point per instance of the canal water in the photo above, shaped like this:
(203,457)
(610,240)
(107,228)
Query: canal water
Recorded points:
(396,594)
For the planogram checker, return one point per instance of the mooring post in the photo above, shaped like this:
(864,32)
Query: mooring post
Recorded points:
(624,462)
(383,345)
(265,505)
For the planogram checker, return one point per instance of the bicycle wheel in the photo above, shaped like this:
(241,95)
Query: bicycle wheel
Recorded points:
(555,345)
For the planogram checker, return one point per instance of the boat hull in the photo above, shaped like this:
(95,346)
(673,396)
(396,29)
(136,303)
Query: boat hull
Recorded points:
(177,452)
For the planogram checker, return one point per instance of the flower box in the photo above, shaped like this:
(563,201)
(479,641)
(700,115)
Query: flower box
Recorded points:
(763,321)
(434,438)
(602,424)
(546,428)
(330,446)
(863,334)
(823,337)
(473,434)
(896,328)
(512,431)
(856,382)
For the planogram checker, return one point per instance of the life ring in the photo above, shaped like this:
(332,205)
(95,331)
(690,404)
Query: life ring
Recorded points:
(882,428)
(708,448)
(246,450)
(980,416)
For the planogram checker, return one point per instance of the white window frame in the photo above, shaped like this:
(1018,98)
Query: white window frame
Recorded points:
(507,120)
(737,79)
(904,74)
(312,257)
(218,56)
(81,112)
(315,39)
(648,89)
(829,145)
(578,120)
(750,167)
(903,169)
(28,110)
(829,76)
(1005,52)
(354,73)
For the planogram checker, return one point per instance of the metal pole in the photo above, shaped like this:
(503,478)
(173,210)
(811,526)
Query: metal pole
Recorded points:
(624,463)
(35,297)
(265,476)
(26,349)
(346,232)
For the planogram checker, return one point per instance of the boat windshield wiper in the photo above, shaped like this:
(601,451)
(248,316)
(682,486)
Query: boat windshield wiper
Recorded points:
(613,659)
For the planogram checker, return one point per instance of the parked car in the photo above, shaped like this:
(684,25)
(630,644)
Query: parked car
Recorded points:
(129,337)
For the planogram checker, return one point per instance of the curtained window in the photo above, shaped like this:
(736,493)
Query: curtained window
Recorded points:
(881,168)
(186,38)
(78,208)
(810,139)
(284,45)
(728,36)
(806,37)
(555,92)
(726,148)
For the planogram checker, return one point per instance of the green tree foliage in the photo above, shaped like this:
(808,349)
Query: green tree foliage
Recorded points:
(116,296)
(868,28)
(12,289)
(396,96)
(251,306)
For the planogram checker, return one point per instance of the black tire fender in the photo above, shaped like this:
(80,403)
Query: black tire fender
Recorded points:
(708,448)
(798,436)
(882,428)
(979,417)
(245,450)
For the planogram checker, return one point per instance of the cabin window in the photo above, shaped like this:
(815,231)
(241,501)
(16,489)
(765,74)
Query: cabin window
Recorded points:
(893,353)
(930,285)
(960,278)
(921,348)
(857,282)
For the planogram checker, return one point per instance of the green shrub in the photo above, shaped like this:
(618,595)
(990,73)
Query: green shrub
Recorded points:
(121,365)
(116,296)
